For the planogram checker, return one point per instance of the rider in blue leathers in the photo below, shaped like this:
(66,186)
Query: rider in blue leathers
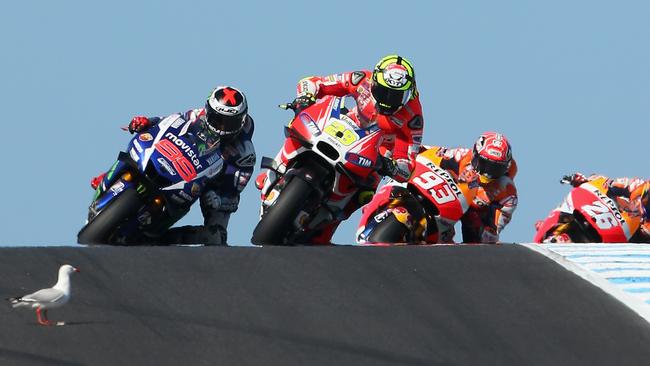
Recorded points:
(225,121)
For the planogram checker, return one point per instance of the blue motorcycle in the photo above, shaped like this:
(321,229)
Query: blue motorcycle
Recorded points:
(151,185)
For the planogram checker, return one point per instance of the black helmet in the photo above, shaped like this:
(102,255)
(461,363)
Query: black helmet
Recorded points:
(226,110)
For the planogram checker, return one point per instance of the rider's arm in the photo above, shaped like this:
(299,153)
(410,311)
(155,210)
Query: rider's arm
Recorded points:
(506,203)
(239,161)
(408,137)
(193,114)
(624,186)
(337,84)
(643,233)
(221,195)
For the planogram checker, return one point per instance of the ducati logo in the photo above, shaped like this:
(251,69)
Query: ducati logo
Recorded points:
(356,77)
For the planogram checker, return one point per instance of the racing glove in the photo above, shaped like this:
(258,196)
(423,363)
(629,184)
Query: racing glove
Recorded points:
(303,101)
(96,181)
(138,124)
(388,167)
(574,179)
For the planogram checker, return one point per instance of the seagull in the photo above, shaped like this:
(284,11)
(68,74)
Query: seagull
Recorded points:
(48,298)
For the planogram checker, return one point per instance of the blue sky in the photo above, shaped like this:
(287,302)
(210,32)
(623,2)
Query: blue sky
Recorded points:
(568,82)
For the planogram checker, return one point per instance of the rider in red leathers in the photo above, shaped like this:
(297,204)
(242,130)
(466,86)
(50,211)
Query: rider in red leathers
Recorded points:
(387,96)
(491,159)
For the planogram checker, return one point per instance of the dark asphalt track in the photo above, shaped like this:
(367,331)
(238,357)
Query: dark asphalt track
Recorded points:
(474,305)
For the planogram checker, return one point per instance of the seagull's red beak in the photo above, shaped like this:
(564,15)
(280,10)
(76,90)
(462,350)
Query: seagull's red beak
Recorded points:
(77,270)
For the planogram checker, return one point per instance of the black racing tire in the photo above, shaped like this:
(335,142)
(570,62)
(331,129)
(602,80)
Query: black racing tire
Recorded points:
(100,229)
(389,231)
(277,223)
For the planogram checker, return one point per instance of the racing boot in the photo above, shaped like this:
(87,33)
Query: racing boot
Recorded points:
(324,235)
(261,179)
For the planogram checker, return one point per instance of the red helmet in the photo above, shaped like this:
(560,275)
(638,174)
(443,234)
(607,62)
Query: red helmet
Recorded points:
(491,156)
(226,110)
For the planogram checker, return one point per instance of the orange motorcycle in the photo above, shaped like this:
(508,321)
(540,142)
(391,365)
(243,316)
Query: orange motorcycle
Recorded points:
(589,215)
(422,211)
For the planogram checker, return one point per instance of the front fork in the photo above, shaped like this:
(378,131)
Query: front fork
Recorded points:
(116,180)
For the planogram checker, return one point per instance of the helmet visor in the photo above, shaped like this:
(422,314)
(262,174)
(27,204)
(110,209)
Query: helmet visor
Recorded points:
(225,125)
(489,168)
(388,100)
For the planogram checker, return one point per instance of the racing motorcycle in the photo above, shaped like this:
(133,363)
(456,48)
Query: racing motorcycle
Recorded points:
(151,186)
(588,215)
(331,160)
(422,211)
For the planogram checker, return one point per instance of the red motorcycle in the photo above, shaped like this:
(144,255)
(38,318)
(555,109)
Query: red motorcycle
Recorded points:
(331,159)
(589,215)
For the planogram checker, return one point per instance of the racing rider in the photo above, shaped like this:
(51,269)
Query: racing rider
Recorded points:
(387,96)
(631,194)
(224,122)
(496,200)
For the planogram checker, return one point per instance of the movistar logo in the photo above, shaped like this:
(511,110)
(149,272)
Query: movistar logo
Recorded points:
(185,148)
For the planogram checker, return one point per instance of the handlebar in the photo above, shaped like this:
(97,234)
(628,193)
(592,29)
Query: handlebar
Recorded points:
(286,106)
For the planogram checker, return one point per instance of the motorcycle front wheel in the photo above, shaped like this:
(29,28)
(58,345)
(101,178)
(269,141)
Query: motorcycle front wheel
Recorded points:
(100,229)
(277,223)
(390,231)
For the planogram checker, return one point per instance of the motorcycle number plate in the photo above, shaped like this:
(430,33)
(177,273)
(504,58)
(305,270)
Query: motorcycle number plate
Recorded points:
(341,133)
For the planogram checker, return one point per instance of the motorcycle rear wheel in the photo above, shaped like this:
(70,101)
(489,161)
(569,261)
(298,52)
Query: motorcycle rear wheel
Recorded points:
(100,229)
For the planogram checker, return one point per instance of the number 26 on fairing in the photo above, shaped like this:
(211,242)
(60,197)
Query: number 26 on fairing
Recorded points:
(601,214)
(436,187)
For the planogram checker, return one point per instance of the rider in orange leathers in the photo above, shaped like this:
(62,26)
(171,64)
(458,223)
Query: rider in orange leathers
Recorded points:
(387,96)
(631,194)
(496,200)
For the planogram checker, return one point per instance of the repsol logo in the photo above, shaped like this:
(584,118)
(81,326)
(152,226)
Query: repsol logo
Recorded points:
(611,204)
(447,177)
(187,149)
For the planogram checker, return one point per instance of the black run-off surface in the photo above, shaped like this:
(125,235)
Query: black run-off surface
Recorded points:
(445,305)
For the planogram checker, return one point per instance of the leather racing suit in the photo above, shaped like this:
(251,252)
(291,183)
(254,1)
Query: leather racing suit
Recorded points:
(494,203)
(220,196)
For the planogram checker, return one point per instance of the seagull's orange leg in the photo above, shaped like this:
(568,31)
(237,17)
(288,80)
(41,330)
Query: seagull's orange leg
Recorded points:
(42,318)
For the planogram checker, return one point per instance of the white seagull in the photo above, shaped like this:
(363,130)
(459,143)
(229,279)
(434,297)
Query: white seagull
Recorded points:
(48,298)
